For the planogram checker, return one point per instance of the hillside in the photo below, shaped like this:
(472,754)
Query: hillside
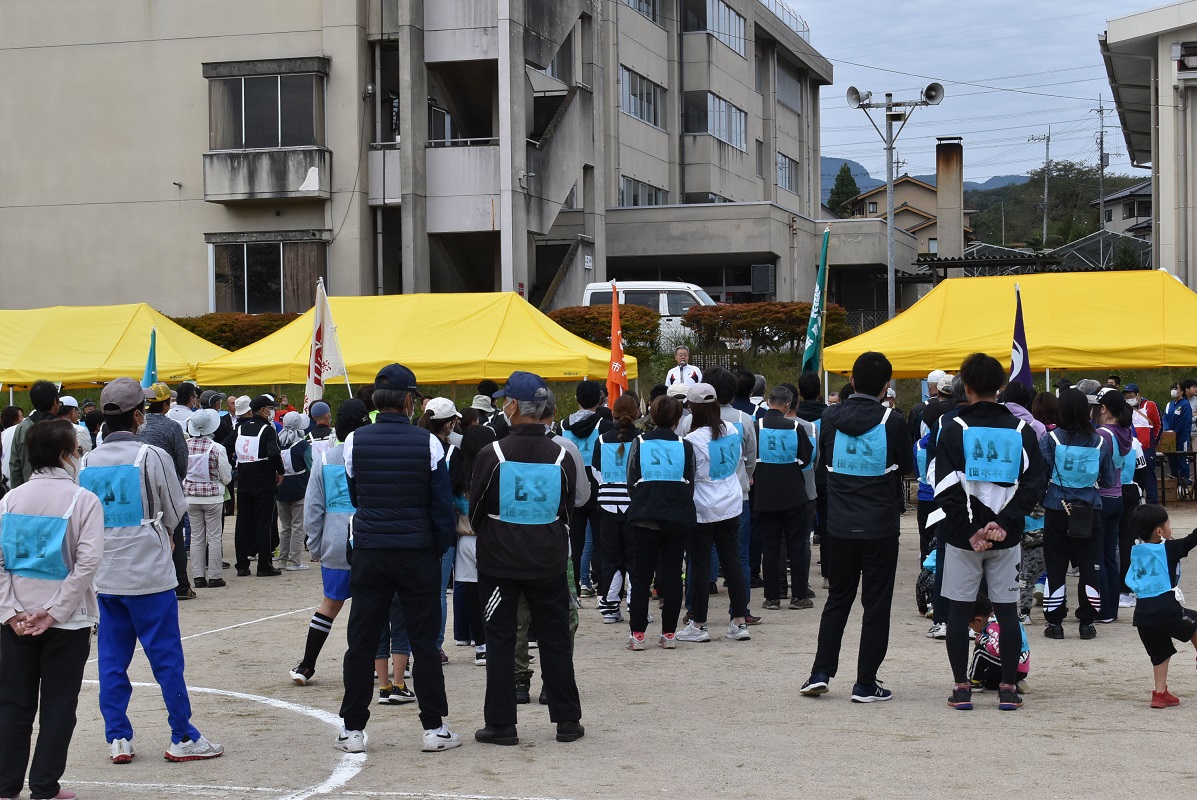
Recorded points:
(864,181)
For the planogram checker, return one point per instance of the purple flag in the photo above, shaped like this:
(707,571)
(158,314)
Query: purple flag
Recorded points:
(1020,361)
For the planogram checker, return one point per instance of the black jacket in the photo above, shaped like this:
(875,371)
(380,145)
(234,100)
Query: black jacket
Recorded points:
(968,513)
(511,549)
(581,433)
(780,487)
(665,505)
(403,500)
(810,410)
(257,476)
(864,506)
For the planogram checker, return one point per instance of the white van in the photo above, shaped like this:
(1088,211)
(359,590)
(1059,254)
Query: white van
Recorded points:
(670,299)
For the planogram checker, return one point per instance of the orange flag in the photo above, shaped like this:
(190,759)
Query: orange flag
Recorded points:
(617,376)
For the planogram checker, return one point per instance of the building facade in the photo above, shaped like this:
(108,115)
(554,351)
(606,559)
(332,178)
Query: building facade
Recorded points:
(1127,211)
(222,156)
(1151,61)
(916,211)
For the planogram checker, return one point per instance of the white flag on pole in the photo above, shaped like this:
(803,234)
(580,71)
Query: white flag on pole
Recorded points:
(325,360)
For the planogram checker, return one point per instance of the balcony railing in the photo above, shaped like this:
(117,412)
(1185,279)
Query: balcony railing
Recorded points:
(789,16)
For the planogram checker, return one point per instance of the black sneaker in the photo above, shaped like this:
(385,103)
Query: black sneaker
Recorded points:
(269,572)
(216,583)
(771,605)
(523,694)
(544,697)
(242,572)
(396,695)
(302,675)
(1054,630)
(801,602)
(200,583)
(756,582)
(815,685)
(1088,631)
(570,731)
(503,734)
(714,587)
(1009,699)
(870,694)
(961,699)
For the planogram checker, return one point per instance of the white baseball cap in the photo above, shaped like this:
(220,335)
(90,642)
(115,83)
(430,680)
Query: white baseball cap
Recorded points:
(68,401)
(441,408)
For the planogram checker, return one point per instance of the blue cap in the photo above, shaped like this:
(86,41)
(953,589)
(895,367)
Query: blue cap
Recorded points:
(1131,387)
(396,376)
(524,386)
(320,409)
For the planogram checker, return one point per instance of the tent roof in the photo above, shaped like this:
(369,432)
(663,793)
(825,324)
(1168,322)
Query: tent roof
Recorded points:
(1073,321)
(79,345)
(442,338)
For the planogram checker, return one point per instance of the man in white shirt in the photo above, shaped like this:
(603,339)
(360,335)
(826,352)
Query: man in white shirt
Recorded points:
(683,373)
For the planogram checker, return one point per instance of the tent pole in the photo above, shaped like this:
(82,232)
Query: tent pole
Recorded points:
(1048,388)
(827,385)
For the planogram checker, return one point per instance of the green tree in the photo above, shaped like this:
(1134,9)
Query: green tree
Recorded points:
(845,189)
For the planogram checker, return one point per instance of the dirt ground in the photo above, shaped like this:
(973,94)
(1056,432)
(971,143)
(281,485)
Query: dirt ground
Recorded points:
(718,720)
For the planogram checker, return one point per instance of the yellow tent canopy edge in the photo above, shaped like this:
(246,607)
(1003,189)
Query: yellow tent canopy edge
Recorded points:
(1135,319)
(443,338)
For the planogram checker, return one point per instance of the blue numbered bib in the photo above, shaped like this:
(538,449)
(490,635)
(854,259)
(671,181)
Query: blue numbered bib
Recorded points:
(585,446)
(1077,467)
(992,455)
(864,456)
(1031,524)
(662,460)
(777,445)
(336,490)
(529,494)
(119,490)
(614,463)
(1129,461)
(920,458)
(1148,573)
(32,546)
(725,455)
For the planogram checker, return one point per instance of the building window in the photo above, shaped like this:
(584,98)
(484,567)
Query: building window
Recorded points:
(640,97)
(1128,210)
(1109,215)
(1143,208)
(760,158)
(933,246)
(710,113)
(634,193)
(789,86)
(872,208)
(787,173)
(267,277)
(699,198)
(266,111)
(647,8)
(718,19)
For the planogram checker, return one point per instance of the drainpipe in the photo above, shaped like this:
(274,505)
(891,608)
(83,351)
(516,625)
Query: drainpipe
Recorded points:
(681,99)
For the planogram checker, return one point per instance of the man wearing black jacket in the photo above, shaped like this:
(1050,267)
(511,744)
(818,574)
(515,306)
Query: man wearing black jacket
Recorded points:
(811,409)
(779,497)
(988,476)
(583,428)
(259,472)
(521,498)
(865,450)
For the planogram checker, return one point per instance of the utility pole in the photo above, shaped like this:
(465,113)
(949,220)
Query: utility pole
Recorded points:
(1101,163)
(1003,224)
(1047,165)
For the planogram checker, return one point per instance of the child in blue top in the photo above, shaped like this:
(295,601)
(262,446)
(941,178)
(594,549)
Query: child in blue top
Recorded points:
(1160,616)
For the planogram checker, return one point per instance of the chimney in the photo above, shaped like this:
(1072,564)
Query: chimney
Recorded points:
(949,188)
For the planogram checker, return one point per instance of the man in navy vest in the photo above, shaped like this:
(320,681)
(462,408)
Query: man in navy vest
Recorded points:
(521,499)
(399,484)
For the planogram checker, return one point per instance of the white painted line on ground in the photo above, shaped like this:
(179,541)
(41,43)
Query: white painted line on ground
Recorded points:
(231,627)
(348,765)
(442,796)
(195,788)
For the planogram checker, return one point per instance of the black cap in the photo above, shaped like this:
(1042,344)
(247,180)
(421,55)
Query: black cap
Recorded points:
(262,401)
(352,410)
(588,394)
(397,377)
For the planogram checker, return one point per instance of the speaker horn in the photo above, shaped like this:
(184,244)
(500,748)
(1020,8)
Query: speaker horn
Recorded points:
(856,99)
(933,94)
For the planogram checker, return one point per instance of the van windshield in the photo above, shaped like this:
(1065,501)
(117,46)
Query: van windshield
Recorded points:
(704,298)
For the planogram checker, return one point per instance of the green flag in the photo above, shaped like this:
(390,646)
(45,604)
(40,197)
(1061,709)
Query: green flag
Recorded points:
(812,357)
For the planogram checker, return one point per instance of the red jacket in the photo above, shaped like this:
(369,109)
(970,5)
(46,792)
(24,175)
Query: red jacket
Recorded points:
(1147,423)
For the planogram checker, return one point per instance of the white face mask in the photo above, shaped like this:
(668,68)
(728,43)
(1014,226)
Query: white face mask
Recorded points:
(1133,402)
(72,464)
(1175,393)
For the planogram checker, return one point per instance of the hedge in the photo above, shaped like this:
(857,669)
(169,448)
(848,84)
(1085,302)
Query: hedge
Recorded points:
(234,331)
(763,326)
(593,323)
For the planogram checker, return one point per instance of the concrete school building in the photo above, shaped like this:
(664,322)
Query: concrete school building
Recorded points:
(221,155)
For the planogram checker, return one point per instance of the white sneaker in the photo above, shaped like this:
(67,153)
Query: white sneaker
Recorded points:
(440,739)
(938,631)
(296,567)
(737,633)
(480,656)
(462,642)
(121,750)
(635,643)
(692,633)
(351,741)
(1126,601)
(1037,594)
(194,750)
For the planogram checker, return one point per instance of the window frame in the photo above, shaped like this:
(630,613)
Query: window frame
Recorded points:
(788,167)
(242,304)
(319,98)
(649,9)
(640,190)
(872,207)
(632,90)
(726,114)
(726,23)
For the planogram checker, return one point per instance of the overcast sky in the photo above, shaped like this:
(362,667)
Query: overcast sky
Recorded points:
(1048,48)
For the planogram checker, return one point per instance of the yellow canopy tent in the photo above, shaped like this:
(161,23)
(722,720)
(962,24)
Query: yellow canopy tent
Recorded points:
(442,338)
(80,345)
(1080,320)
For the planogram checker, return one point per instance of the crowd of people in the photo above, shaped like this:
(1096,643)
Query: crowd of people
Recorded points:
(522,512)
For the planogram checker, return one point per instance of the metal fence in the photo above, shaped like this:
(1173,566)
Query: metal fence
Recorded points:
(864,319)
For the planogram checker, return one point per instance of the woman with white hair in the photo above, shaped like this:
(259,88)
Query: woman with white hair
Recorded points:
(297,460)
(208,473)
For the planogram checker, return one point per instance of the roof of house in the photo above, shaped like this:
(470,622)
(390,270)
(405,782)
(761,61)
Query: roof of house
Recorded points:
(1140,189)
(881,188)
